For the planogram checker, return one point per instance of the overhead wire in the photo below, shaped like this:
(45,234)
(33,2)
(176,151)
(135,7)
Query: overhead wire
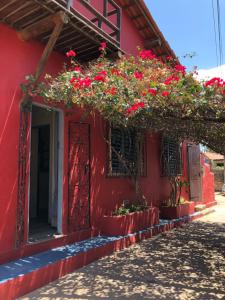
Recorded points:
(215,34)
(219,33)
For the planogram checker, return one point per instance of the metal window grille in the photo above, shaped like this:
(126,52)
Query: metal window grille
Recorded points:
(170,157)
(123,147)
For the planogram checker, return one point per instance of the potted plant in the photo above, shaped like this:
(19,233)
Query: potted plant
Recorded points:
(129,218)
(176,206)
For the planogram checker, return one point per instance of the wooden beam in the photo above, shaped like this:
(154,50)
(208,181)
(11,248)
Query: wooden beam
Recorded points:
(136,17)
(112,12)
(143,27)
(42,26)
(26,100)
(48,48)
(115,55)
(152,43)
(128,6)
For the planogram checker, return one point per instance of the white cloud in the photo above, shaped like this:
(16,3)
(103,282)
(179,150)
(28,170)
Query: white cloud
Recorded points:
(205,74)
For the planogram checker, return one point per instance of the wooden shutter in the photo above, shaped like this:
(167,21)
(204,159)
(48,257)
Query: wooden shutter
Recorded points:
(79,176)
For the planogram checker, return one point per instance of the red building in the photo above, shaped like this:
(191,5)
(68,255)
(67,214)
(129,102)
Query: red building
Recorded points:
(52,194)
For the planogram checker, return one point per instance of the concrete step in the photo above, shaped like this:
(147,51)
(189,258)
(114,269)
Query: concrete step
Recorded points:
(24,275)
(200,207)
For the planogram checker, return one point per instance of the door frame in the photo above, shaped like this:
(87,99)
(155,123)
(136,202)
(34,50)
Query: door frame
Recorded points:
(60,165)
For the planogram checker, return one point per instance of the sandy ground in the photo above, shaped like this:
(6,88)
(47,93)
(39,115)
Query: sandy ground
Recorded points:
(187,263)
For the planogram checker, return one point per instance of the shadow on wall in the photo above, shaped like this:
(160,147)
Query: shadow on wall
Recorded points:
(186,263)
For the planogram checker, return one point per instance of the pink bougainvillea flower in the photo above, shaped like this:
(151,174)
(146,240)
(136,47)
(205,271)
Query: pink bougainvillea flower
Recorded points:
(99,78)
(138,75)
(147,54)
(152,91)
(165,93)
(71,53)
(181,69)
(103,46)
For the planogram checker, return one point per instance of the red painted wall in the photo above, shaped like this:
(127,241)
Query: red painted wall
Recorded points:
(18,59)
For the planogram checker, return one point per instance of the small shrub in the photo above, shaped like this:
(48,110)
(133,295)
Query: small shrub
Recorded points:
(125,209)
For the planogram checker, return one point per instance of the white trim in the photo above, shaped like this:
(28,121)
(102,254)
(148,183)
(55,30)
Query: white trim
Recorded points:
(60,170)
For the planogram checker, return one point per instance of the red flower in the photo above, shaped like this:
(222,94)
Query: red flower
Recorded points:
(112,91)
(80,83)
(138,75)
(216,81)
(135,107)
(76,85)
(86,82)
(169,58)
(180,68)
(152,91)
(72,79)
(103,46)
(116,72)
(71,53)
(99,78)
(170,79)
(165,93)
(103,73)
(141,104)
(147,54)
(77,69)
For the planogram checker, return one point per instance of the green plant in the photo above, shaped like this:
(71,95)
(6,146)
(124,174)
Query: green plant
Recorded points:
(176,184)
(125,209)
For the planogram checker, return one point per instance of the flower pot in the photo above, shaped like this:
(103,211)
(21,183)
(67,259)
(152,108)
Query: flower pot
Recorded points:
(185,209)
(133,222)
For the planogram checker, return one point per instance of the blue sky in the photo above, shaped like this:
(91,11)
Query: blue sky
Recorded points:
(188,27)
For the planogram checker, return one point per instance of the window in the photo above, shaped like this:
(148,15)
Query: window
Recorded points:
(123,153)
(170,157)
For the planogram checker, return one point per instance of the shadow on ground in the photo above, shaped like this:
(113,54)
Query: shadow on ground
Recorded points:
(187,263)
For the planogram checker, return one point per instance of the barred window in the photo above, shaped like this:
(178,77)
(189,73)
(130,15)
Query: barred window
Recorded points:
(170,157)
(122,152)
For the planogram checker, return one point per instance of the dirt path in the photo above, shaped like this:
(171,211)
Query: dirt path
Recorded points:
(187,263)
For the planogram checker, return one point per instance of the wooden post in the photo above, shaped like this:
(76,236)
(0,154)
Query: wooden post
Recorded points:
(49,47)
(59,20)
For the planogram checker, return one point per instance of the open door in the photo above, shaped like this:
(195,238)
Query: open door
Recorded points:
(194,166)
(44,180)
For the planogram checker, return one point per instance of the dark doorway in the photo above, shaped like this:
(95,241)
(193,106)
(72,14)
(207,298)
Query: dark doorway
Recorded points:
(42,181)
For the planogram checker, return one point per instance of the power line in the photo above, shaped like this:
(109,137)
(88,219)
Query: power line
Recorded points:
(215,35)
(219,32)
